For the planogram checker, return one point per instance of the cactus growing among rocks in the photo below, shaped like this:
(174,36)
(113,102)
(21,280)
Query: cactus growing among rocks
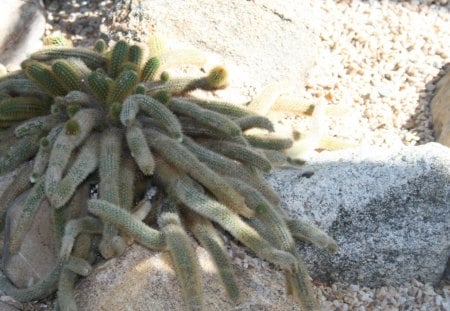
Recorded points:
(75,117)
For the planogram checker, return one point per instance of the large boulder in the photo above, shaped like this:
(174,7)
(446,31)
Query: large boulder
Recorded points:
(440,109)
(388,210)
(268,41)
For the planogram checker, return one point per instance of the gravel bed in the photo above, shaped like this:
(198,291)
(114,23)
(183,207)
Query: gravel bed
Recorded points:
(379,60)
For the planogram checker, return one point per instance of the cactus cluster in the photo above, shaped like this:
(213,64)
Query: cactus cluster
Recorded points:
(113,117)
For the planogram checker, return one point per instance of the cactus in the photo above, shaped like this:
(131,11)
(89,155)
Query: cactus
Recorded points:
(116,118)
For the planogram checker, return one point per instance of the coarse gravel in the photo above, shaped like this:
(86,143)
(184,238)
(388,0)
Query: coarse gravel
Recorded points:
(378,60)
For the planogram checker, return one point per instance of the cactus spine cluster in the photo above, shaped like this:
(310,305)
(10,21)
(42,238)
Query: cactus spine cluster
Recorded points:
(74,117)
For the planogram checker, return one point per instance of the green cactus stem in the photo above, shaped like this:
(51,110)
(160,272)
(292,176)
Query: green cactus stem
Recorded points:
(208,237)
(183,256)
(89,57)
(125,221)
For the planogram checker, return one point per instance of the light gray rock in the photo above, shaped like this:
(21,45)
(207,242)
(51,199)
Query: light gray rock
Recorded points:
(388,210)
(22,24)
(269,41)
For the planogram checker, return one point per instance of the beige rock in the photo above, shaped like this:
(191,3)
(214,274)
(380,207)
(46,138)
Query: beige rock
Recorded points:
(440,109)
(37,255)
(145,280)
(7,307)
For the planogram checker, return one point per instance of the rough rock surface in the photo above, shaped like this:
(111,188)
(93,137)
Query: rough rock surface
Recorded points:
(37,255)
(144,280)
(6,307)
(440,108)
(389,212)
(265,41)
(22,24)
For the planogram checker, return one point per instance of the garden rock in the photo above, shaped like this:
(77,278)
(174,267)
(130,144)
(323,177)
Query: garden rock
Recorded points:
(388,210)
(143,280)
(37,255)
(22,25)
(260,38)
(440,109)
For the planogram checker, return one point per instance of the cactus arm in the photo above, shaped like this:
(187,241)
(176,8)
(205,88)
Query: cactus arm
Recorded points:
(209,118)
(25,87)
(239,152)
(205,233)
(268,142)
(306,232)
(125,221)
(119,55)
(91,58)
(266,99)
(73,229)
(298,281)
(155,44)
(122,86)
(65,144)
(22,108)
(99,86)
(139,149)
(179,156)
(109,170)
(249,122)
(185,190)
(134,103)
(66,284)
(72,268)
(136,55)
(43,155)
(85,163)
(127,183)
(183,256)
(38,124)
(100,46)
(276,158)
(43,77)
(300,287)
(267,214)
(230,168)
(25,148)
(78,265)
(68,75)
(180,57)
(150,68)
(233,111)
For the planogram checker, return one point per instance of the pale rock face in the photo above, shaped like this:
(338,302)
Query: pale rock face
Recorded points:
(440,108)
(387,210)
(145,280)
(38,253)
